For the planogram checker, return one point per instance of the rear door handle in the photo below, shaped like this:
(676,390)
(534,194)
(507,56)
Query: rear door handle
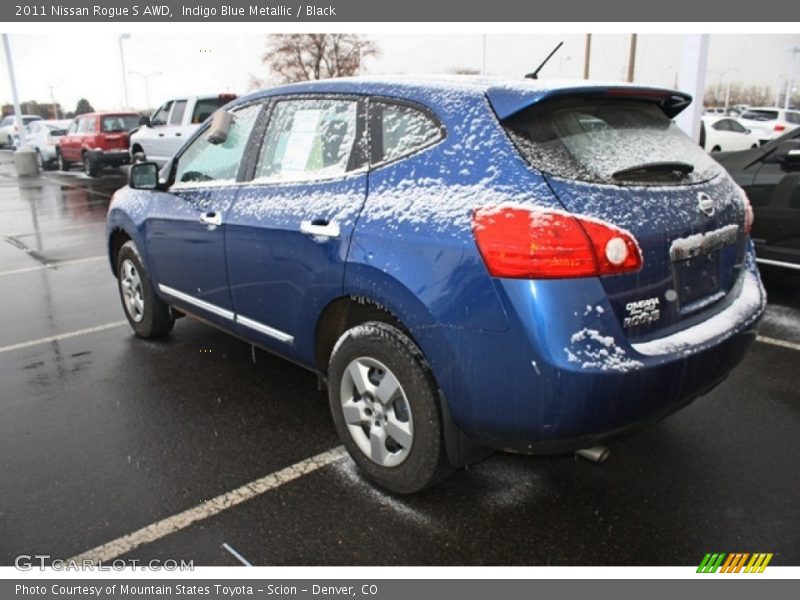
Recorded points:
(160,135)
(178,134)
(211,218)
(320,228)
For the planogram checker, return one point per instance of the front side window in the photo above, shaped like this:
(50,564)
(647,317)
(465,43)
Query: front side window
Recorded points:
(737,127)
(86,125)
(160,116)
(723,125)
(204,162)
(399,130)
(612,141)
(308,140)
(73,127)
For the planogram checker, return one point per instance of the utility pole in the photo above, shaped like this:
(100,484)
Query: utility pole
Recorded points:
(124,36)
(587,56)
(483,54)
(790,80)
(55,104)
(632,58)
(14,95)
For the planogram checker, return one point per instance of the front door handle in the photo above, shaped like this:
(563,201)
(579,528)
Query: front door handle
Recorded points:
(320,228)
(211,218)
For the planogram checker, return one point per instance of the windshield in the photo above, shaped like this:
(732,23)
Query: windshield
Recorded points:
(760,115)
(119,123)
(623,142)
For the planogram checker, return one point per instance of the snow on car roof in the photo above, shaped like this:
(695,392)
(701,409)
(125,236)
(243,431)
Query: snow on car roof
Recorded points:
(507,96)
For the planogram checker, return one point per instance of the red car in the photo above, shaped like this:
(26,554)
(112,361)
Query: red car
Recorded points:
(97,140)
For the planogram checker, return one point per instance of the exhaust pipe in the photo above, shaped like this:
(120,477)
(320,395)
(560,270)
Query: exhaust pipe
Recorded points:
(596,454)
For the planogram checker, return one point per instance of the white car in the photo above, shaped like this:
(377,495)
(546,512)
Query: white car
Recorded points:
(161,135)
(8,128)
(725,134)
(769,123)
(43,137)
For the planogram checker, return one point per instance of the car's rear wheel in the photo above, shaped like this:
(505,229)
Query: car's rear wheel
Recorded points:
(90,166)
(148,316)
(63,165)
(383,399)
(716,149)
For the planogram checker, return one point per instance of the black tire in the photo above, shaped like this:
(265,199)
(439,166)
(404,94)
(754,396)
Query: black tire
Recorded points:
(63,165)
(90,166)
(716,149)
(138,156)
(154,319)
(424,461)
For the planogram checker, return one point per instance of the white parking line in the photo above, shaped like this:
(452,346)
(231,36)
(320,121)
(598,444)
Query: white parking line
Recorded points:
(248,491)
(236,555)
(776,342)
(62,336)
(53,266)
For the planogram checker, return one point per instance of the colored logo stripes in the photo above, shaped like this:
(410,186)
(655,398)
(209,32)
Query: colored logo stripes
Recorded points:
(734,562)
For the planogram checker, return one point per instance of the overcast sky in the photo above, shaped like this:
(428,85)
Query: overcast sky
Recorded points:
(89,66)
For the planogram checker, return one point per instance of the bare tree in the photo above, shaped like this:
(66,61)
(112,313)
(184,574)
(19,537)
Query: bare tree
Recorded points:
(308,56)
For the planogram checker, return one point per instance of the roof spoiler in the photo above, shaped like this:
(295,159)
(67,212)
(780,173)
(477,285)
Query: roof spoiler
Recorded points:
(509,101)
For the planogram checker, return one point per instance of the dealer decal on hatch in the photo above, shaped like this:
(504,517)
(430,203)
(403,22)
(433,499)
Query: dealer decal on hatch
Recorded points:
(642,312)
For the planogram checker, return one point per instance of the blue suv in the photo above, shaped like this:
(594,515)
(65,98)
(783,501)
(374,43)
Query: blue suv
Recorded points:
(466,263)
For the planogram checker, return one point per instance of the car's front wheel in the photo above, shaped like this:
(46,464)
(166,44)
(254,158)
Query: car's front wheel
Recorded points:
(63,165)
(383,399)
(148,316)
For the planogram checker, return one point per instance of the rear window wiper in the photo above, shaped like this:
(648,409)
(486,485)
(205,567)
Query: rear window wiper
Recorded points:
(675,169)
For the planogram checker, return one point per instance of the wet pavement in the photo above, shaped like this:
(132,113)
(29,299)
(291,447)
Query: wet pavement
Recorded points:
(102,434)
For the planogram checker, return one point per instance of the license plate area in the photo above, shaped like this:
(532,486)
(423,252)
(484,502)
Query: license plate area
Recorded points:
(697,278)
(697,266)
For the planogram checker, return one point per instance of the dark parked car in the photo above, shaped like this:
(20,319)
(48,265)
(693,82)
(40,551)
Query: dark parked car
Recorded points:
(770,175)
(521,265)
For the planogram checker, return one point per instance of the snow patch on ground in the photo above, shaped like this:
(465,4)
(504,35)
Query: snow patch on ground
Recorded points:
(348,471)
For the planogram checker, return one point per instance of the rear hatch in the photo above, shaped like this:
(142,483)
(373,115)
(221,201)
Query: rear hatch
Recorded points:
(619,158)
(761,122)
(115,129)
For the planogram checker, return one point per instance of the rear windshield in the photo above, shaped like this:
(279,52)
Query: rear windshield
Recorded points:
(26,120)
(760,115)
(613,141)
(119,123)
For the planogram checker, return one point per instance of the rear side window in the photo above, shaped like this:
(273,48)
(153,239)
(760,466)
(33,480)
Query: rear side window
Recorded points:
(611,141)
(204,162)
(176,118)
(205,107)
(308,140)
(793,117)
(398,130)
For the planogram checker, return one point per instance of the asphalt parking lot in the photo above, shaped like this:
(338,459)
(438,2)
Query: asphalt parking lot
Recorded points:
(112,444)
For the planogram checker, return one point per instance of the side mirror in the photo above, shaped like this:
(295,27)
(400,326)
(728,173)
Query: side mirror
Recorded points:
(788,154)
(143,176)
(144,121)
(220,126)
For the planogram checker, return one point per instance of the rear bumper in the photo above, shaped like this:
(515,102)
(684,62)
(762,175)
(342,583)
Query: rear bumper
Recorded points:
(562,377)
(111,158)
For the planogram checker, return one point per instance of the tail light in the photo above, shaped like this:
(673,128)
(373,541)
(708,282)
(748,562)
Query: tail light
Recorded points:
(522,243)
(779,127)
(748,214)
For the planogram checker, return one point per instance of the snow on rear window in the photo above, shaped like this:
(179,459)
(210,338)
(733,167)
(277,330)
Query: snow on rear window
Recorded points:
(402,130)
(592,139)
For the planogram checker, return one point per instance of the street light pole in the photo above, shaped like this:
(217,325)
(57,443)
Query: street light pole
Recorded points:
(790,79)
(146,77)
(123,36)
(14,95)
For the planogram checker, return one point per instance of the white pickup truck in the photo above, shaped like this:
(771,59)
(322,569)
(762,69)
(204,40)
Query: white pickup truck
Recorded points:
(162,134)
